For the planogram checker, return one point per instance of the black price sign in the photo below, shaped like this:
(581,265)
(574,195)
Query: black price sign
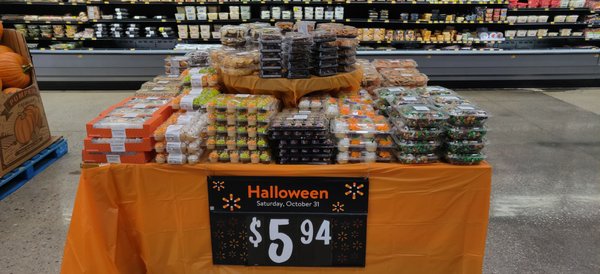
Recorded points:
(292,221)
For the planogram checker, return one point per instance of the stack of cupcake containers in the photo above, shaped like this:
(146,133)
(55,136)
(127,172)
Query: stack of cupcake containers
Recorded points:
(466,131)
(270,59)
(297,54)
(418,132)
(238,126)
(179,139)
(324,53)
(301,137)
(362,136)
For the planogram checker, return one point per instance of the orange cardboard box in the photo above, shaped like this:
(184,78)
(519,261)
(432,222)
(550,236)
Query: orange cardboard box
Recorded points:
(117,158)
(147,130)
(24,128)
(118,145)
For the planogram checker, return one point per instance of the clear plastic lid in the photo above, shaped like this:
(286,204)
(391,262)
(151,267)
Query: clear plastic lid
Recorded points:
(467,115)
(198,58)
(421,116)
(231,31)
(147,102)
(419,134)
(418,147)
(114,122)
(448,100)
(323,36)
(241,60)
(128,112)
(434,90)
(270,34)
(347,31)
(347,43)
(359,125)
(409,158)
(465,159)
(394,63)
(297,38)
(407,100)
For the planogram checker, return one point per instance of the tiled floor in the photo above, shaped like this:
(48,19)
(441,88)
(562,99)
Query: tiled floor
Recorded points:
(545,212)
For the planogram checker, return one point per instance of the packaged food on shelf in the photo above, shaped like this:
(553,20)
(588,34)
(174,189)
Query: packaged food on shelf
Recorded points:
(394,63)
(360,126)
(418,134)
(177,62)
(465,146)
(199,77)
(233,36)
(466,133)
(347,44)
(446,101)
(285,26)
(298,73)
(198,58)
(407,158)
(134,117)
(465,159)
(466,115)
(371,144)
(434,90)
(417,147)
(325,71)
(364,157)
(240,64)
(345,68)
(399,78)
(322,36)
(194,99)
(422,116)
(347,60)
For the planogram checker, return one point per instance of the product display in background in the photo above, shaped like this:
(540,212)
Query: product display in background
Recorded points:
(430,25)
(395,117)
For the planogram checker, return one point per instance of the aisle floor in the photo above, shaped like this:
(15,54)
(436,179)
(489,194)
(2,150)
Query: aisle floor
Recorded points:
(545,207)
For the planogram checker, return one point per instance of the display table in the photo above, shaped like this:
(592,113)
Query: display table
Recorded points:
(290,90)
(154,218)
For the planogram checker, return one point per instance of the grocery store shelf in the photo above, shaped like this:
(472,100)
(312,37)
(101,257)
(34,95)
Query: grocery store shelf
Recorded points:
(62,68)
(475,41)
(587,10)
(584,24)
(422,22)
(369,2)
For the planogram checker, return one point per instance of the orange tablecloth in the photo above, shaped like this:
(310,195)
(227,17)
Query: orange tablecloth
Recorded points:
(290,90)
(154,218)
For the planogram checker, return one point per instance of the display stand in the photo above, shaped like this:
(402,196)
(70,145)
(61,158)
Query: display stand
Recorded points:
(155,219)
(290,90)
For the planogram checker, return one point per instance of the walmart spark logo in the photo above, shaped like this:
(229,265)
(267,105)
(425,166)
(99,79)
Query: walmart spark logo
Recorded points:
(231,203)
(354,190)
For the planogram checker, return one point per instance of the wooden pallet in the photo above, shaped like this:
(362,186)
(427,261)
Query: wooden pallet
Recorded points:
(12,181)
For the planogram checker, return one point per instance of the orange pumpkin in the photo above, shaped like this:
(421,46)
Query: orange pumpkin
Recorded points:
(11,90)
(14,70)
(5,49)
(34,112)
(24,126)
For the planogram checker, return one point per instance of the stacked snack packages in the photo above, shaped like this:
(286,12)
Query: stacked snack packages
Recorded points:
(371,77)
(163,85)
(122,133)
(465,129)
(297,55)
(362,135)
(301,137)
(345,42)
(175,65)
(270,59)
(324,53)
(418,124)
(400,72)
(240,63)
(237,128)
(179,139)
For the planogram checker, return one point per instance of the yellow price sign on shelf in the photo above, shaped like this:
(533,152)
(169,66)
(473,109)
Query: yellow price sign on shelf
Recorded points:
(163,20)
(386,21)
(347,19)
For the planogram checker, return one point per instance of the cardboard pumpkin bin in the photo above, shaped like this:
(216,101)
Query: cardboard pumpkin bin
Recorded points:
(24,128)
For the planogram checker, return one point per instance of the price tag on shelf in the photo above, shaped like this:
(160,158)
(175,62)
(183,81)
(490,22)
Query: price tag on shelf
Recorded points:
(393,2)
(94,39)
(53,39)
(210,20)
(369,20)
(147,3)
(347,19)
(288,221)
(28,3)
(61,4)
(546,9)
(163,20)
(369,1)
(386,21)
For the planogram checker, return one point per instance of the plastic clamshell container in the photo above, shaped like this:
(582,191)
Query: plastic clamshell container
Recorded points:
(117,158)
(448,100)
(408,158)
(467,115)
(394,63)
(466,133)
(123,127)
(417,147)
(422,116)
(419,134)
(118,144)
(465,146)
(434,90)
(465,159)
(363,126)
